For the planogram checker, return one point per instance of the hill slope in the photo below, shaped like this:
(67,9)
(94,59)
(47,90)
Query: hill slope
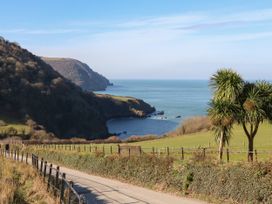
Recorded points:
(79,73)
(32,89)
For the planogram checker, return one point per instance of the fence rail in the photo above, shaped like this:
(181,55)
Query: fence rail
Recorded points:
(56,181)
(180,153)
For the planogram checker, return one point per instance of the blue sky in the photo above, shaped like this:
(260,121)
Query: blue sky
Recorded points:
(147,39)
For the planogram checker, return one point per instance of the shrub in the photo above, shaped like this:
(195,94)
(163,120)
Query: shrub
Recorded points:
(237,183)
(135,138)
(113,139)
(193,125)
(146,170)
(2,123)
(21,184)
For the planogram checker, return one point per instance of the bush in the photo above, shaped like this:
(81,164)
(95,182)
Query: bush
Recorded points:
(146,170)
(236,183)
(193,125)
(241,183)
(113,139)
(2,123)
(135,138)
(20,183)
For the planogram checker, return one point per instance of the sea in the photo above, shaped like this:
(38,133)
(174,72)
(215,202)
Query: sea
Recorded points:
(178,99)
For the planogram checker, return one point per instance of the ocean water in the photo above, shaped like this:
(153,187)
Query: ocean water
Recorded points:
(182,98)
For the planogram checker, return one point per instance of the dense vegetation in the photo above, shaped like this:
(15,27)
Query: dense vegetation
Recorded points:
(79,73)
(240,182)
(21,184)
(30,90)
(243,102)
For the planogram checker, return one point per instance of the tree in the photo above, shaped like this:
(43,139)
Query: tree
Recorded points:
(255,107)
(227,86)
(222,115)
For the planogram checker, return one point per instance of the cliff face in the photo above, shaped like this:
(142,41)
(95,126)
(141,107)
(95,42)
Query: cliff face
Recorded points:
(79,73)
(123,106)
(32,89)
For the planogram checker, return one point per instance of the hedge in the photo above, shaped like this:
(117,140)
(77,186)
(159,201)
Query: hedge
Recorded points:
(239,182)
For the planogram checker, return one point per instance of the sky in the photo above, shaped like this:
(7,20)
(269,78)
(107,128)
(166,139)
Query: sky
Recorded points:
(147,39)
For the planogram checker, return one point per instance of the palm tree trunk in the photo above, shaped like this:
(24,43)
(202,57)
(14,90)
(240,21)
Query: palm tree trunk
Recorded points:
(221,146)
(250,149)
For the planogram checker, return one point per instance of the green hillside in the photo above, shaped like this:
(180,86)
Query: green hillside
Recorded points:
(263,139)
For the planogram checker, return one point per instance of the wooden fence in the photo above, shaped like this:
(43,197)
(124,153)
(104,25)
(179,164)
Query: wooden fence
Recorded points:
(180,153)
(56,180)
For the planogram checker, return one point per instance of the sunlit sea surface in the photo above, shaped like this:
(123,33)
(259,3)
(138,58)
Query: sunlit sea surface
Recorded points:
(178,99)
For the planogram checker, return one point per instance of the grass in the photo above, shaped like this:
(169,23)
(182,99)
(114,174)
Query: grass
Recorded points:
(263,139)
(19,127)
(118,98)
(22,184)
(13,123)
(238,142)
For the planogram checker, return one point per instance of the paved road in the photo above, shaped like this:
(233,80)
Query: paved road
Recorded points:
(99,190)
(102,190)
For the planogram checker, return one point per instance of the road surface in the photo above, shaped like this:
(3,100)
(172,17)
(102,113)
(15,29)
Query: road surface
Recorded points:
(100,190)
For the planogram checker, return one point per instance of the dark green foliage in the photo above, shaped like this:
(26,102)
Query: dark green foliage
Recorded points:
(237,183)
(31,90)
(243,183)
(146,170)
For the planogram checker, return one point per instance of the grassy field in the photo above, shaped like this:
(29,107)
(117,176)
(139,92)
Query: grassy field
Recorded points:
(191,143)
(18,125)
(263,139)
(118,98)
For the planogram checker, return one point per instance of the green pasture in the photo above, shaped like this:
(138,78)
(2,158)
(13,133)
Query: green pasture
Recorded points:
(191,144)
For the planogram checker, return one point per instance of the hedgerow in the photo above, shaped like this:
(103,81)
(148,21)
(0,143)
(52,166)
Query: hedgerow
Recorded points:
(240,182)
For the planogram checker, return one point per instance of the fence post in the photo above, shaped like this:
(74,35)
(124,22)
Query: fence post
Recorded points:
(18,154)
(90,148)
(153,151)
(129,152)
(84,148)
(37,163)
(256,155)
(119,149)
(140,150)
(22,157)
(41,167)
(49,176)
(44,170)
(57,177)
(167,150)
(62,187)
(228,155)
(110,149)
(26,158)
(182,153)
(204,152)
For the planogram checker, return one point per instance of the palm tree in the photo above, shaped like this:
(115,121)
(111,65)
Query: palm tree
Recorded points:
(227,86)
(222,115)
(255,107)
